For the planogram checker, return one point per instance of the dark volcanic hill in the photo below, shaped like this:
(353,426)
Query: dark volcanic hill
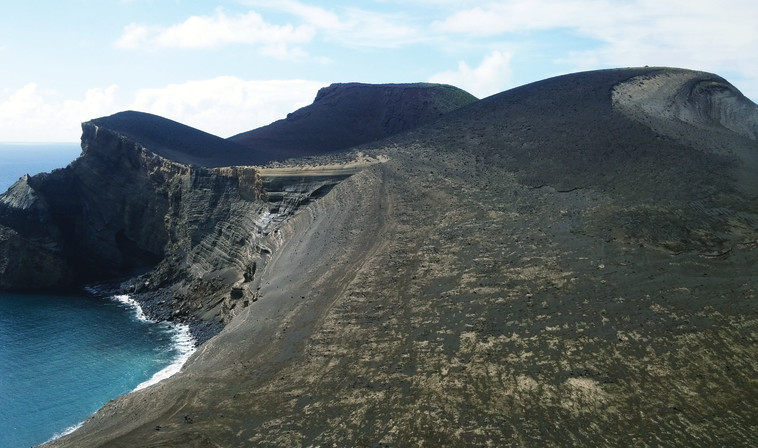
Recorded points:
(342,116)
(347,115)
(175,141)
(568,263)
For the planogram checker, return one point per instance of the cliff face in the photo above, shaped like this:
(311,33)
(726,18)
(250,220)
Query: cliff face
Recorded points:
(552,265)
(190,237)
(32,251)
(120,209)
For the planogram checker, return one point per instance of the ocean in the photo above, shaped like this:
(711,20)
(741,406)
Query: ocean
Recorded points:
(17,159)
(62,357)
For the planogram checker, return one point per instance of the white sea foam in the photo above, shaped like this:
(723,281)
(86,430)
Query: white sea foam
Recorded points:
(183,343)
(182,340)
(65,432)
(126,300)
(185,346)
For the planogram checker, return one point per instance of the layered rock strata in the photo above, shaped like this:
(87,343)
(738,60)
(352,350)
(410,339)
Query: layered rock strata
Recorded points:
(120,209)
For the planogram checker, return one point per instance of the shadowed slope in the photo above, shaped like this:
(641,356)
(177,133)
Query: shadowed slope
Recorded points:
(341,116)
(347,115)
(568,132)
(175,141)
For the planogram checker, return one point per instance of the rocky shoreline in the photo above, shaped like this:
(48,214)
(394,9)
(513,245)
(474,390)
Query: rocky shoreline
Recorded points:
(156,306)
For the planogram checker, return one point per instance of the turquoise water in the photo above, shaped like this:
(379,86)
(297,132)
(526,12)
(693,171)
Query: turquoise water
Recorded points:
(17,159)
(63,357)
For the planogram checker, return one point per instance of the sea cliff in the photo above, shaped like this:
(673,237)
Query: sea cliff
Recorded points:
(121,209)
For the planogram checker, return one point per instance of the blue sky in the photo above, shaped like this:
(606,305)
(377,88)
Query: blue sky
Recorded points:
(229,66)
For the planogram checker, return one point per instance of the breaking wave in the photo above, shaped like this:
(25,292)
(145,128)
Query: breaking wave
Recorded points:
(182,341)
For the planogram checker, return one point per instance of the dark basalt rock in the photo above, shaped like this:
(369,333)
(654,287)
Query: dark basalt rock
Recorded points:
(147,189)
(32,253)
(674,148)
(122,208)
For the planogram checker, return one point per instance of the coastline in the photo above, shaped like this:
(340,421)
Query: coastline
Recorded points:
(182,340)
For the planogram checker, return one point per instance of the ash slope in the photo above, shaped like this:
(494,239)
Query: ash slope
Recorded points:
(347,115)
(550,266)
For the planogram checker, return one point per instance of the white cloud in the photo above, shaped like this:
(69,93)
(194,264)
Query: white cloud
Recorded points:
(134,36)
(223,106)
(97,102)
(695,34)
(491,76)
(218,30)
(351,27)
(33,114)
(519,15)
(381,30)
(22,101)
(313,15)
(227,105)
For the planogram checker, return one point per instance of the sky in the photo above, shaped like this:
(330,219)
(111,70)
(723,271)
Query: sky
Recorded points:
(229,66)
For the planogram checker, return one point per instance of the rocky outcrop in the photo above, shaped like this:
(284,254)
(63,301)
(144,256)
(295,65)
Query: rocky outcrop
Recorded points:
(688,99)
(28,261)
(347,115)
(149,195)
(701,110)
(31,246)
(189,240)
(663,143)
(122,208)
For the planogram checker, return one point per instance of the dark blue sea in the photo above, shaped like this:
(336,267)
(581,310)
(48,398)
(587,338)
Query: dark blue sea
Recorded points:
(62,357)
(17,159)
